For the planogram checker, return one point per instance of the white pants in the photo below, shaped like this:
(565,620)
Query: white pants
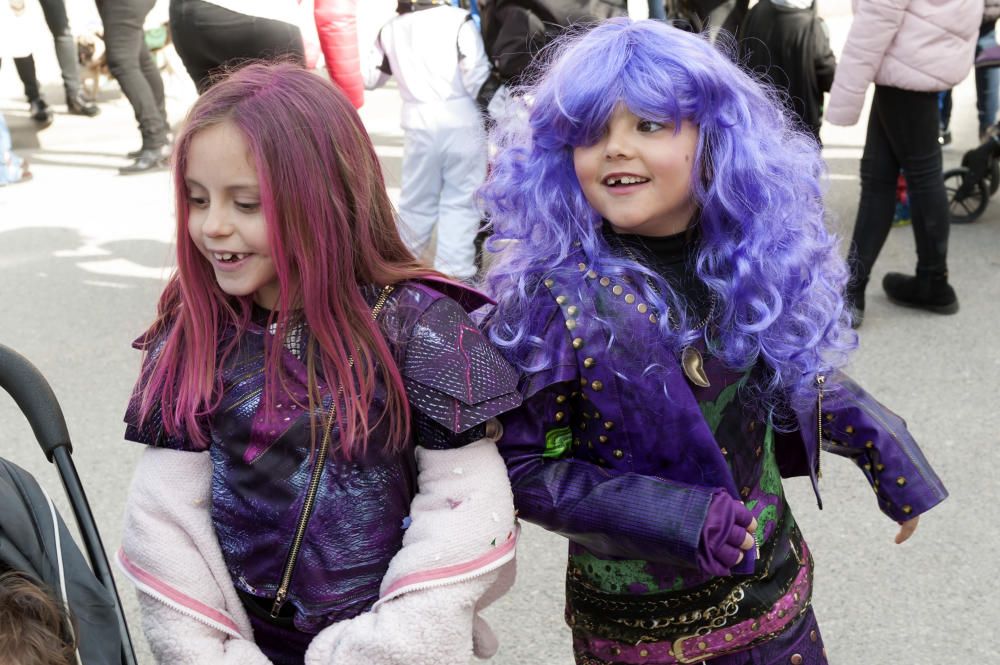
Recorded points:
(442,167)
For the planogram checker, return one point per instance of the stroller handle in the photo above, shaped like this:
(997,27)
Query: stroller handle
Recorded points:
(35,398)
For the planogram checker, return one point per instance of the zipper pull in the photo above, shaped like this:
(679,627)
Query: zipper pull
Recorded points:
(279,600)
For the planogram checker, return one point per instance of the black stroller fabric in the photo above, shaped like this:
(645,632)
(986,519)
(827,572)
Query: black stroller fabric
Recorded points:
(34,540)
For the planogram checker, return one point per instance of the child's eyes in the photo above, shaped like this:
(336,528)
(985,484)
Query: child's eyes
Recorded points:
(247,206)
(649,126)
(197,201)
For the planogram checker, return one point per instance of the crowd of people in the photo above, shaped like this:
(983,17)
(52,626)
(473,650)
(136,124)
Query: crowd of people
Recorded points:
(341,432)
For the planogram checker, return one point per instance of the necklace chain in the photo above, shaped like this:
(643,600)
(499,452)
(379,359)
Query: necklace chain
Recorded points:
(656,290)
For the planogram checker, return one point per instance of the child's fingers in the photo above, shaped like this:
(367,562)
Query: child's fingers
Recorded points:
(906,529)
(753,526)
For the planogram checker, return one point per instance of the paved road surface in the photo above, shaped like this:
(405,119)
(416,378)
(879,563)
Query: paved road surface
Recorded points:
(83,253)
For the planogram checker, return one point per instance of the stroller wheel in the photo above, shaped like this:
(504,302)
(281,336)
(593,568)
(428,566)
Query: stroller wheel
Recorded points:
(967,200)
(993,177)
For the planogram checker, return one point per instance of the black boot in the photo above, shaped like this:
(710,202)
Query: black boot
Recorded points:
(854,300)
(147,160)
(929,291)
(77,105)
(40,112)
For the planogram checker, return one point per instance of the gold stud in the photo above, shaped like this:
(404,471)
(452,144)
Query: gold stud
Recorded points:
(591,274)
(755,626)
(572,310)
(629,298)
(560,299)
(583,426)
(583,381)
(617,289)
(868,467)
(602,439)
(880,467)
(618,453)
(702,645)
(577,343)
(560,399)
(829,416)
(813,635)
(907,509)
(571,324)
(581,266)
(608,425)
(728,637)
(752,425)
(590,445)
(652,318)
(643,652)
(588,362)
(724,451)
(597,415)
(781,614)
(901,481)
(641,307)
(869,444)
(597,385)
(615,651)
(849,429)
(605,281)
(796,659)
(549,283)
(559,416)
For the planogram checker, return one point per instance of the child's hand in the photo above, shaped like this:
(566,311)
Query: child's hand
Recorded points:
(906,529)
(748,539)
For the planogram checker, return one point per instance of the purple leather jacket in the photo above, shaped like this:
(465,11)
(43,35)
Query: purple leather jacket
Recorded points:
(611,449)
(455,381)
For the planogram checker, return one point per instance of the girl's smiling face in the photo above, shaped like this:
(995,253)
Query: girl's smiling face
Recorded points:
(637,175)
(225,220)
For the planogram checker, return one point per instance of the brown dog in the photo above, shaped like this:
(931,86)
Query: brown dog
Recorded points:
(93,58)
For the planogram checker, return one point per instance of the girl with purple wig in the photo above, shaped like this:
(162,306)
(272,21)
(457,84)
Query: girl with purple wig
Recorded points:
(322,483)
(673,300)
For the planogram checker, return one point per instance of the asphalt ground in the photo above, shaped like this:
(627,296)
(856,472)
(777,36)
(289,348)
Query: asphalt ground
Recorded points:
(83,256)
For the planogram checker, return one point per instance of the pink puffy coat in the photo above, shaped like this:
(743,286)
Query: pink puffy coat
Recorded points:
(923,45)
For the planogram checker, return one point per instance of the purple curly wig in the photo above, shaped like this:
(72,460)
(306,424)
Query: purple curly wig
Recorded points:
(764,249)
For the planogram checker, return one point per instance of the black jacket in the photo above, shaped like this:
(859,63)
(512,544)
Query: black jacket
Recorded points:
(515,30)
(792,49)
(28,543)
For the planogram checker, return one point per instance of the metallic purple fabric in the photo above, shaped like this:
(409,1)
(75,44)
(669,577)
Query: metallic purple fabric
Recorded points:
(643,443)
(262,463)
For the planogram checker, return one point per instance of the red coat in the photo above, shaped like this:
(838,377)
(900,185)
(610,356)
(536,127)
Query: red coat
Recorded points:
(337,26)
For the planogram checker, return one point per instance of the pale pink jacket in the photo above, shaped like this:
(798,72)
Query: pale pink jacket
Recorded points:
(457,558)
(921,45)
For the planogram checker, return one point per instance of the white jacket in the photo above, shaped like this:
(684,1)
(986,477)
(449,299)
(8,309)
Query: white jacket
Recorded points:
(921,45)
(457,558)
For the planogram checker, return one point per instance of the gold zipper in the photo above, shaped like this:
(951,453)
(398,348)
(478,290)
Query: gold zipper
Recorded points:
(820,380)
(317,474)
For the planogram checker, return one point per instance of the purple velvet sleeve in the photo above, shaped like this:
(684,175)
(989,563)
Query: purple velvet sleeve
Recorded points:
(607,511)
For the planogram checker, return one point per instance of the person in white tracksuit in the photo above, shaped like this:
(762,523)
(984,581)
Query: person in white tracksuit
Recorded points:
(437,56)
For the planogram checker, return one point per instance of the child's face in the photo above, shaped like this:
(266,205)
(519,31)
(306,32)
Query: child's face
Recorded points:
(638,174)
(225,221)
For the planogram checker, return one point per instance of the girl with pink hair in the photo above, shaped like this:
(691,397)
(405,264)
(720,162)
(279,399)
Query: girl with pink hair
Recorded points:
(322,471)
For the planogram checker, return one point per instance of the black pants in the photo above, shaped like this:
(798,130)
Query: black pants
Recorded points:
(902,133)
(133,66)
(58,22)
(26,72)
(207,36)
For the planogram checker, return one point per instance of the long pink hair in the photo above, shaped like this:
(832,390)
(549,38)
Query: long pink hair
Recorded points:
(331,229)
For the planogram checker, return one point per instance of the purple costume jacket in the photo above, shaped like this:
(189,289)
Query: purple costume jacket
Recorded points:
(612,449)
(455,381)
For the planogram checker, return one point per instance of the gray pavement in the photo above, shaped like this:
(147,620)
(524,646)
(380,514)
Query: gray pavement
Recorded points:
(83,254)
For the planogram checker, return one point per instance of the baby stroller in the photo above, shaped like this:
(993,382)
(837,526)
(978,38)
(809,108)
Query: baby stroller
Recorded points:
(970,186)
(34,539)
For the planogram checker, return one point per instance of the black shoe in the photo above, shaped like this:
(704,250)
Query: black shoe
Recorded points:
(925,291)
(79,106)
(147,160)
(41,113)
(135,153)
(944,136)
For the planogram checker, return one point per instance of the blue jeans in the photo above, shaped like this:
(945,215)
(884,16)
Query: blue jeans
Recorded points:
(987,81)
(11,166)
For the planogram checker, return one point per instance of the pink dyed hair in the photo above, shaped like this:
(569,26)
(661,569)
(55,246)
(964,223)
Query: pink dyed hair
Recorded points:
(331,229)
